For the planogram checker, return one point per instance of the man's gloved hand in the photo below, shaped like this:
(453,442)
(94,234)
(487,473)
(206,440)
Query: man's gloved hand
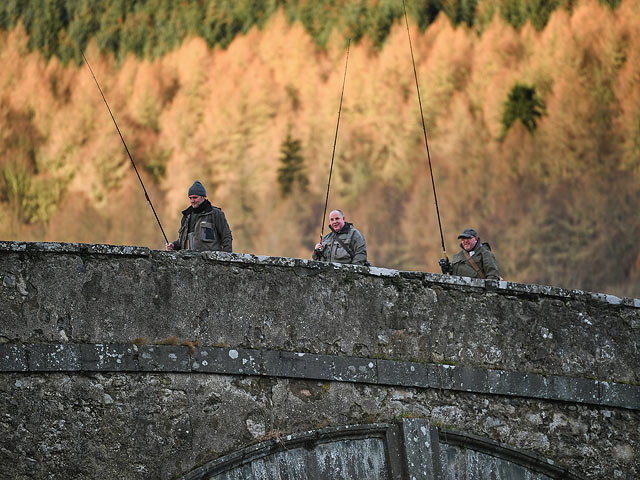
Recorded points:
(446,266)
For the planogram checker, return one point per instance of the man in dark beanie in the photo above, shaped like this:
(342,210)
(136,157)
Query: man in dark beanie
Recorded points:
(203,226)
(475,260)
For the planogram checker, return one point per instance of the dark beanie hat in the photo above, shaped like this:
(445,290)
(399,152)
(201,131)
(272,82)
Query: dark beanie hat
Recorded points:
(197,189)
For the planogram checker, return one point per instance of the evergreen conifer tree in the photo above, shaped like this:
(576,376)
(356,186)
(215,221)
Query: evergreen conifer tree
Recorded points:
(524,104)
(291,169)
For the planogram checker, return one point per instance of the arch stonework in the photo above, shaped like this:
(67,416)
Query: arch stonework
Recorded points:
(411,449)
(131,363)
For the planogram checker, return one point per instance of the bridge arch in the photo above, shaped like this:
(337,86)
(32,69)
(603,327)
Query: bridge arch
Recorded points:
(410,448)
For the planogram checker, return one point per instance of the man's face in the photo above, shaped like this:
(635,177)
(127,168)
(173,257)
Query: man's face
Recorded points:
(469,243)
(196,200)
(336,220)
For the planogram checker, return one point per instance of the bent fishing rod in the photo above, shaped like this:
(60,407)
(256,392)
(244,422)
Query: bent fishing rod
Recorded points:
(424,129)
(335,139)
(125,147)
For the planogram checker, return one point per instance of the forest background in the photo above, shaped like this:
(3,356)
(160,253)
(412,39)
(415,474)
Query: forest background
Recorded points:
(532,110)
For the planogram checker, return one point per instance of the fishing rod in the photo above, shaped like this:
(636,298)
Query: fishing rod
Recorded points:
(125,147)
(335,139)
(424,129)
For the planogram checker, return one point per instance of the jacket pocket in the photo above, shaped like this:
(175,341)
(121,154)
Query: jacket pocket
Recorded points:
(458,262)
(459,267)
(341,254)
(207,232)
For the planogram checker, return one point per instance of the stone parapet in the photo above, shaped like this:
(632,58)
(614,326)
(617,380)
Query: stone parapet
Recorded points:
(76,293)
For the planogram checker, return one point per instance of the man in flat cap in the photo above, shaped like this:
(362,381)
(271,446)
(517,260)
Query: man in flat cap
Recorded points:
(475,260)
(203,227)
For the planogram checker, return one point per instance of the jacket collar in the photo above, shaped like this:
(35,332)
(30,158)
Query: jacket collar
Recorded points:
(476,248)
(345,229)
(202,208)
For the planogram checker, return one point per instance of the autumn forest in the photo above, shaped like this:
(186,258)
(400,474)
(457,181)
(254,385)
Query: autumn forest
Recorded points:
(533,127)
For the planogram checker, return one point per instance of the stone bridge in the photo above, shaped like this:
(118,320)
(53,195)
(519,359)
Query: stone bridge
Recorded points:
(123,362)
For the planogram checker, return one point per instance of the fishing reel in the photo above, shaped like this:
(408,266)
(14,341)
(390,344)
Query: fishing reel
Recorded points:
(446,266)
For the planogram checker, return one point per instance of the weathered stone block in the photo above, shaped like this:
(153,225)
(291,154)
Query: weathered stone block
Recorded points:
(163,357)
(227,360)
(298,365)
(627,396)
(54,357)
(13,358)
(408,374)
(110,357)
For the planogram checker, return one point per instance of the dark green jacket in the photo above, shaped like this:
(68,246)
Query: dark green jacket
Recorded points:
(482,256)
(334,252)
(204,228)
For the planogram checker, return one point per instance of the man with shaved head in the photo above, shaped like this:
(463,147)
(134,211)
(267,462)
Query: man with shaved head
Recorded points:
(344,244)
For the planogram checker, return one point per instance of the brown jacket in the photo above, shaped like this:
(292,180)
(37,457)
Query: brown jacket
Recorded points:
(482,256)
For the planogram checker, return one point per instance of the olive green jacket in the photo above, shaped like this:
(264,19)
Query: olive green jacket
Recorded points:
(482,256)
(206,229)
(332,251)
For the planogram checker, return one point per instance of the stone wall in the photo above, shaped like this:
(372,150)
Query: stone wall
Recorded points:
(147,364)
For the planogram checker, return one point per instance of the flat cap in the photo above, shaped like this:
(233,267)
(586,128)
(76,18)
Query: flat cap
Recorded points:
(468,233)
